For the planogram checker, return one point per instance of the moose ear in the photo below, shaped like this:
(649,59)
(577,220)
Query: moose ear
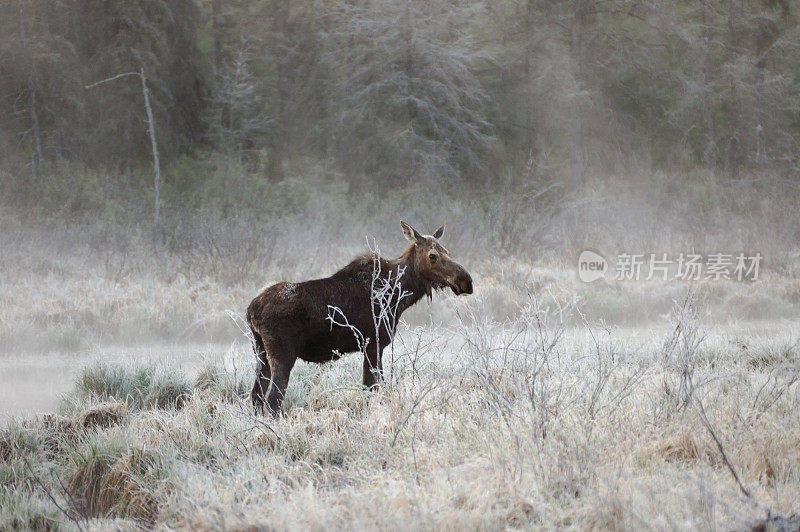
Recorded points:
(439,232)
(410,233)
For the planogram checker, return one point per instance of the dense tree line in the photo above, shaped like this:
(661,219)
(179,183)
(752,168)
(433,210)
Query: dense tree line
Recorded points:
(405,89)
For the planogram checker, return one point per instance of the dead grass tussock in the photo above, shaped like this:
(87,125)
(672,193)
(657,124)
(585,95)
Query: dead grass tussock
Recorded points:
(104,486)
(54,433)
(522,513)
(145,385)
(759,464)
(683,447)
(19,441)
(193,430)
(772,457)
(56,423)
(350,399)
(6,449)
(103,415)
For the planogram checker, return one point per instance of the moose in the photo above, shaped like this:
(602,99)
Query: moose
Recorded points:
(294,320)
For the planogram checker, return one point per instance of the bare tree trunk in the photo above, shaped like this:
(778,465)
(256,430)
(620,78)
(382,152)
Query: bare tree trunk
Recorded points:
(37,136)
(733,145)
(152,130)
(529,17)
(216,24)
(761,153)
(577,143)
(36,156)
(282,137)
(710,153)
(409,71)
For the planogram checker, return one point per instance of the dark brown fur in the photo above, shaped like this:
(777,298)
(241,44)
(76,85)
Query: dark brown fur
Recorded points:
(290,320)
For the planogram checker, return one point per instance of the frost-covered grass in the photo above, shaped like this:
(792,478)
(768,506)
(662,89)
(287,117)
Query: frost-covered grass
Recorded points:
(532,422)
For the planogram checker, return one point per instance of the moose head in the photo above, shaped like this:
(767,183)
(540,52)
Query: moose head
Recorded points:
(431,261)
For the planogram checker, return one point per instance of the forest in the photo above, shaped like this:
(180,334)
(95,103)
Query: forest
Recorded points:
(443,92)
(163,161)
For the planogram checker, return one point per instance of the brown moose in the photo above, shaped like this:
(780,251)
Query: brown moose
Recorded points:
(294,320)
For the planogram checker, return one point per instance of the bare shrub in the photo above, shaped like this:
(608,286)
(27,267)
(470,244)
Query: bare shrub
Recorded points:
(226,251)
(519,360)
(521,211)
(679,354)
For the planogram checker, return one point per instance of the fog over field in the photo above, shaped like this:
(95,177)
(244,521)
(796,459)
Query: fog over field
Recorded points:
(619,179)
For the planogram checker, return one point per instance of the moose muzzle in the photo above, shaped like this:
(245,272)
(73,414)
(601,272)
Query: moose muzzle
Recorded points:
(462,282)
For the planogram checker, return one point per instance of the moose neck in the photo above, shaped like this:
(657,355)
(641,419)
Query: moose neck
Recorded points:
(412,282)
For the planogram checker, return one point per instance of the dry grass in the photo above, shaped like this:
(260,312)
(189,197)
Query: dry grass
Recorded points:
(521,424)
(682,447)
(102,487)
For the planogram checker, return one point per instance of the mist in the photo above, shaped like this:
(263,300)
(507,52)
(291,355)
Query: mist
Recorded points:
(620,179)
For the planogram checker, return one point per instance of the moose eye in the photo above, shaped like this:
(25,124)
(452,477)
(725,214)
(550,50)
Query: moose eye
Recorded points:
(432,256)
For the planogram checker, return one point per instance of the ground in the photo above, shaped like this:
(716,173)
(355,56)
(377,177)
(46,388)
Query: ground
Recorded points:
(533,422)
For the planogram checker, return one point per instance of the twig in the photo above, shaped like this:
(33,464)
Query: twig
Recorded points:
(710,429)
(112,78)
(49,494)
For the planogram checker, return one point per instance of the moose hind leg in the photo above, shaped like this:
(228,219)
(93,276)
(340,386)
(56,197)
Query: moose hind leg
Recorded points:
(281,367)
(263,373)
(262,384)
